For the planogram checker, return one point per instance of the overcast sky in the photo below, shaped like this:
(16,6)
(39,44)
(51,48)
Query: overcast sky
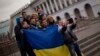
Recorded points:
(7,7)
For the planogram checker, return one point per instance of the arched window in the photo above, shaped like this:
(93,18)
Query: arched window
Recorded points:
(77,13)
(67,16)
(89,10)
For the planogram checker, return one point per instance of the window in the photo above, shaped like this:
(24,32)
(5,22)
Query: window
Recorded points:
(68,3)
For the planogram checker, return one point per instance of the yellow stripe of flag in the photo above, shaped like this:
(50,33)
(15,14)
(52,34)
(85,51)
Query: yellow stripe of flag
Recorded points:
(58,51)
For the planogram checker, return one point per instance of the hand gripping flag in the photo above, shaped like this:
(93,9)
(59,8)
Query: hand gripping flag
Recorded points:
(48,42)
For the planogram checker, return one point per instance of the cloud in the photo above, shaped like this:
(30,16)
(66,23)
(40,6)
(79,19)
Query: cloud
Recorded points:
(8,7)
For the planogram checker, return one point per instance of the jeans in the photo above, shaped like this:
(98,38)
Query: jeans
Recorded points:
(77,49)
(74,47)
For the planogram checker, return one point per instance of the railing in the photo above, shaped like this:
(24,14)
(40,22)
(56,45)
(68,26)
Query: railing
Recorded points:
(85,23)
(7,44)
(4,26)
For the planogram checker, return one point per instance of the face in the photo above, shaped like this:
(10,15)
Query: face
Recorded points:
(25,25)
(44,23)
(33,21)
(44,17)
(39,10)
(34,16)
(61,23)
(24,14)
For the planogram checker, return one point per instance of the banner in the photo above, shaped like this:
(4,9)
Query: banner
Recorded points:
(47,42)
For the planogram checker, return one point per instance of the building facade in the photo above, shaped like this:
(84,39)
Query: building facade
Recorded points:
(63,8)
(69,8)
(4,27)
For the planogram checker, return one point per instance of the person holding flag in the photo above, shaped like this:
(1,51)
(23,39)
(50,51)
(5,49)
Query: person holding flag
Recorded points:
(48,42)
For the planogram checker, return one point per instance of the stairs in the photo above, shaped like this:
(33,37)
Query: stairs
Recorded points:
(90,45)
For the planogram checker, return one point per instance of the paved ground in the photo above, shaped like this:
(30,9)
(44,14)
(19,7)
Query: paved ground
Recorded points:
(88,30)
(82,32)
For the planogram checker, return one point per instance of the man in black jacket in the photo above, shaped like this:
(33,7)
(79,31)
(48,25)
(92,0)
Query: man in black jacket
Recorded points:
(19,37)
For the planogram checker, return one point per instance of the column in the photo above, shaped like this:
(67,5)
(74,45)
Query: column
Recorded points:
(55,2)
(75,0)
(52,6)
(39,6)
(70,1)
(48,8)
(44,8)
(35,8)
(65,3)
(60,2)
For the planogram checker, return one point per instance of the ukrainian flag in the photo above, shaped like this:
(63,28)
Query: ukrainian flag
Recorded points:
(47,42)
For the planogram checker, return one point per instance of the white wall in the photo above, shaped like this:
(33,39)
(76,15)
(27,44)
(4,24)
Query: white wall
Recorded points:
(4,27)
(29,10)
(80,6)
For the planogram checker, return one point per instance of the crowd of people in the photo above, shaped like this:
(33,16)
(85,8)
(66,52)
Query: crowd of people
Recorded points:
(39,20)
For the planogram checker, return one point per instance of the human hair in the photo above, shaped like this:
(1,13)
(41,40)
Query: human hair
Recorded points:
(34,16)
(38,9)
(50,20)
(58,18)
(23,13)
(75,18)
(70,20)
(49,17)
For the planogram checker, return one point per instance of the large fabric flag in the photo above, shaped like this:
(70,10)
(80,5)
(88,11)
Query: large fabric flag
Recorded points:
(47,42)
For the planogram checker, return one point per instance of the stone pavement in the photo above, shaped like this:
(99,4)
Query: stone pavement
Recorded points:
(81,33)
(88,30)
